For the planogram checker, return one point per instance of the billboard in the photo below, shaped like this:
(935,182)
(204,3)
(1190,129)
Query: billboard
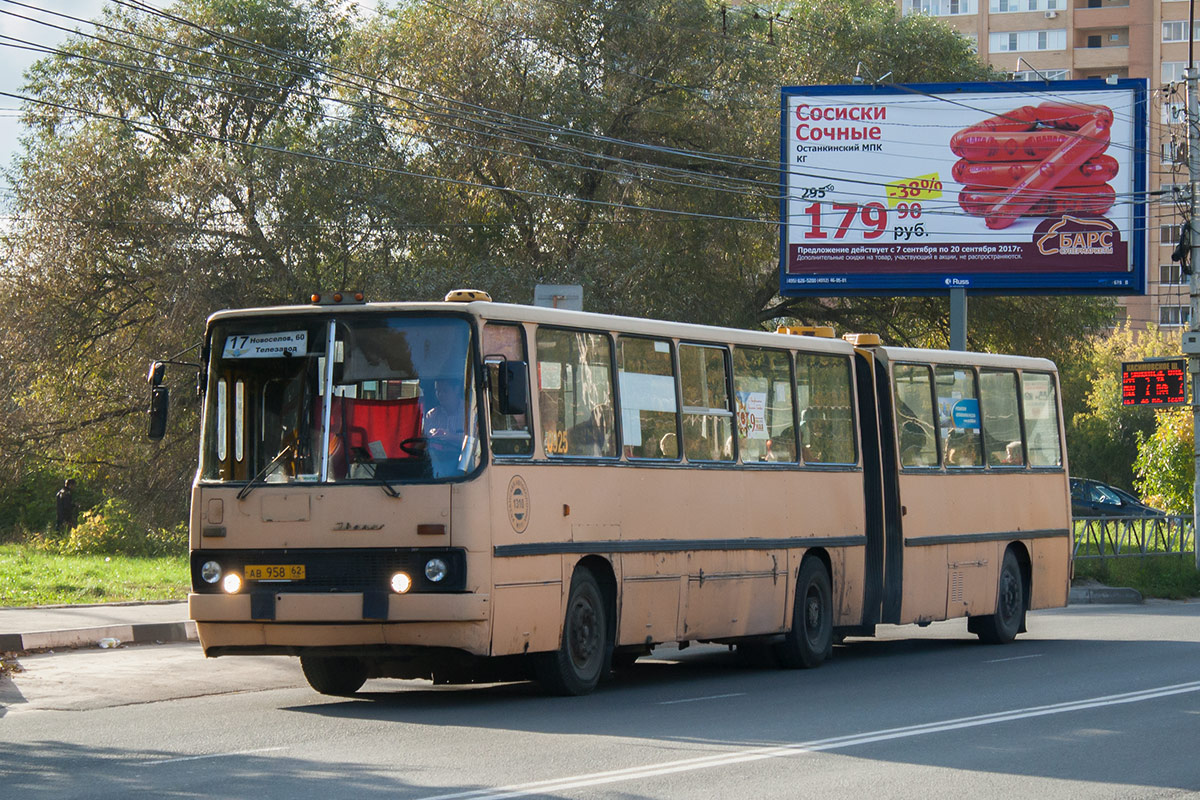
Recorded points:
(991,187)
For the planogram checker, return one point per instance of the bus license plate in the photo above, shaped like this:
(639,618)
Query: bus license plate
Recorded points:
(274,572)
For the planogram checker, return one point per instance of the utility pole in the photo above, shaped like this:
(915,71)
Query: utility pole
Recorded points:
(1192,76)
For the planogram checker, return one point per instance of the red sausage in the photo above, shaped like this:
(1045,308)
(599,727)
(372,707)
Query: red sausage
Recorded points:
(1090,140)
(1017,145)
(1002,174)
(976,200)
(1071,117)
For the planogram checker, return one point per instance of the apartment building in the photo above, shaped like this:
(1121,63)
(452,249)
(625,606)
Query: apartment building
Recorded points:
(1071,39)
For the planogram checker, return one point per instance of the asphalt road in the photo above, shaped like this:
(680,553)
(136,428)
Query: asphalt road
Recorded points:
(1096,701)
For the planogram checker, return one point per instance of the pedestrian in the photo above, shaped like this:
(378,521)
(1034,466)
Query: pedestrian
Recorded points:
(64,503)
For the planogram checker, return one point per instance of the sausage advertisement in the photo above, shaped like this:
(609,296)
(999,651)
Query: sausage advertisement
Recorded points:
(1013,186)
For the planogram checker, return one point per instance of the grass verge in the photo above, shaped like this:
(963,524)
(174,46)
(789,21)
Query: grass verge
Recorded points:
(33,577)
(1168,577)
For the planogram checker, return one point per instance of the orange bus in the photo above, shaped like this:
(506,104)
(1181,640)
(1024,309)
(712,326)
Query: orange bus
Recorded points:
(467,490)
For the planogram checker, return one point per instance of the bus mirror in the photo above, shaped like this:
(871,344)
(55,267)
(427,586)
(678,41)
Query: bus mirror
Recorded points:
(514,387)
(155,378)
(159,400)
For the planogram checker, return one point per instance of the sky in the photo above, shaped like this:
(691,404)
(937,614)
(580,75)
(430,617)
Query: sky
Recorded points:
(14,61)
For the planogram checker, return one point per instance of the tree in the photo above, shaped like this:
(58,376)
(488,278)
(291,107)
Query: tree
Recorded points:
(1165,465)
(1103,434)
(151,192)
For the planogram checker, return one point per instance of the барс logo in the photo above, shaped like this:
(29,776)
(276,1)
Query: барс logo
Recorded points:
(1076,236)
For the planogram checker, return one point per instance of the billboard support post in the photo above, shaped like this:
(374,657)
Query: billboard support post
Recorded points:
(1192,76)
(958,319)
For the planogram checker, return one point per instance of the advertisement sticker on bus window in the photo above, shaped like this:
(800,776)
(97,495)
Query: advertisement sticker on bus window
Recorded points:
(752,415)
(965,414)
(266,345)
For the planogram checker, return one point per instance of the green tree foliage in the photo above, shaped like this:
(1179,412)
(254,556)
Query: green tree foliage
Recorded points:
(1103,434)
(1165,465)
(228,153)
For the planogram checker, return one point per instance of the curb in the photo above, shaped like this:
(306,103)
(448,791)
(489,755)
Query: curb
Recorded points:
(1083,595)
(141,633)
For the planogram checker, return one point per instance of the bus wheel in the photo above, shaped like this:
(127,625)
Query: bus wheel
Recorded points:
(577,665)
(1003,626)
(810,641)
(335,675)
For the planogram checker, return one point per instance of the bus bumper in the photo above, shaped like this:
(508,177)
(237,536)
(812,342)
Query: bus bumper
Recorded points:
(225,623)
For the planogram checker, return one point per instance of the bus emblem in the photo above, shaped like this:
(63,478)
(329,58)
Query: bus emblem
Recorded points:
(518,504)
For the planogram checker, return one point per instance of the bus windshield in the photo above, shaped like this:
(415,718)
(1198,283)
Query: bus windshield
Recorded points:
(396,403)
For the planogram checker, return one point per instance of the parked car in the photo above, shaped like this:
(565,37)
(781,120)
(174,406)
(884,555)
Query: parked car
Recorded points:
(1095,499)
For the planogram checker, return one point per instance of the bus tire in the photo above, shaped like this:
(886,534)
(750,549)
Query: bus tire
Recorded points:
(339,676)
(810,640)
(578,664)
(1003,626)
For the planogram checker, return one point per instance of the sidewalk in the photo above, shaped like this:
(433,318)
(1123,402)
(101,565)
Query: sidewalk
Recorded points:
(49,627)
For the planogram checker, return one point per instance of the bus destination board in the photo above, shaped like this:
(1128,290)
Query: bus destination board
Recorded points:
(1161,383)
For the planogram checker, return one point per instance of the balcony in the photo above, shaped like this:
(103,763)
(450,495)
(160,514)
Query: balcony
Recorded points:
(1107,58)
(1102,14)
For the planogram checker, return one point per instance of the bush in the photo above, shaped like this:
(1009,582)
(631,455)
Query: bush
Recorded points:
(168,541)
(1165,464)
(1171,577)
(109,529)
(112,529)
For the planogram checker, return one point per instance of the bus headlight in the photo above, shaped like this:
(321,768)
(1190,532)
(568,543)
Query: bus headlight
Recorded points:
(232,583)
(210,571)
(435,569)
(401,582)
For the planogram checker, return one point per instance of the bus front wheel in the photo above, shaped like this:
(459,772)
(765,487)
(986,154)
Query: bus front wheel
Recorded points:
(578,664)
(810,640)
(334,675)
(1003,626)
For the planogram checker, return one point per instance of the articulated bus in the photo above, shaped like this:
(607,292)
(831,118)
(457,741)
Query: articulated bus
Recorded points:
(466,490)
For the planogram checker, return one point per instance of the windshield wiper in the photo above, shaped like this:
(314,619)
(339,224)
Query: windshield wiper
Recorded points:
(249,487)
(388,489)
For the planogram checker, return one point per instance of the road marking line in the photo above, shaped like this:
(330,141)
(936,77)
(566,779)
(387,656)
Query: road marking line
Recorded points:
(816,746)
(1014,658)
(211,755)
(698,699)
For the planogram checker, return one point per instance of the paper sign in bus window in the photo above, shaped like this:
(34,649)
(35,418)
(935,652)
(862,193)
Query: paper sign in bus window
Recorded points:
(266,345)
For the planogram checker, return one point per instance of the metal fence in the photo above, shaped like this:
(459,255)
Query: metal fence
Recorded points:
(1118,537)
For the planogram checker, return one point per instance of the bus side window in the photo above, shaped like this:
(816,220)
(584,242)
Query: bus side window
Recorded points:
(1001,413)
(510,432)
(915,430)
(1041,420)
(707,418)
(649,421)
(575,394)
(825,400)
(762,385)
(958,416)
